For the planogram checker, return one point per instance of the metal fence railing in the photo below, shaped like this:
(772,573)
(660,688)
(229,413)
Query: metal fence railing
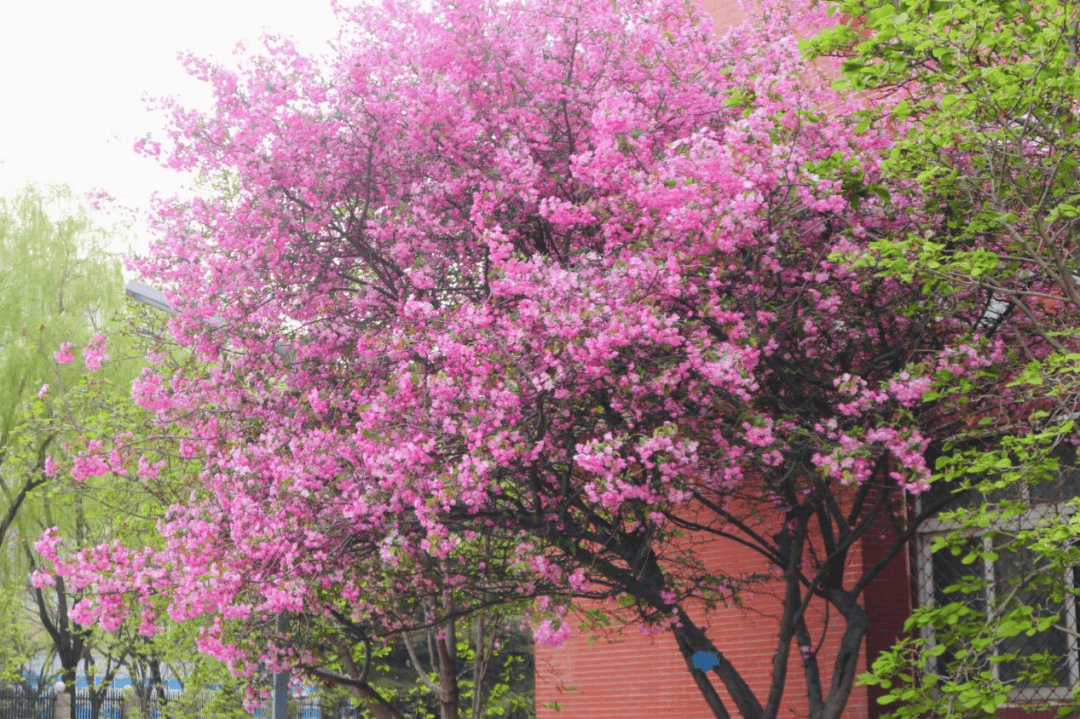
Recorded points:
(22,703)
(312,707)
(109,705)
(25,703)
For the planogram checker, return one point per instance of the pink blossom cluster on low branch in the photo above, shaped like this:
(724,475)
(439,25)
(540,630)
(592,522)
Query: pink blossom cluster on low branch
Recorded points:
(501,282)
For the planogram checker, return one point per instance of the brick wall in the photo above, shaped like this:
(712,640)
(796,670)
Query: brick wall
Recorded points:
(621,673)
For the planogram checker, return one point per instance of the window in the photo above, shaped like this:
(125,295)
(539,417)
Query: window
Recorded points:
(1002,574)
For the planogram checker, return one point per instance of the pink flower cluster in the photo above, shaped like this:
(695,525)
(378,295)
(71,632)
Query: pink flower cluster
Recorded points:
(94,353)
(64,355)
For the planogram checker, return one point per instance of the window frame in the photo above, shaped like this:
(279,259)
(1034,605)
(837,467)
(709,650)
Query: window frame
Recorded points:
(1037,513)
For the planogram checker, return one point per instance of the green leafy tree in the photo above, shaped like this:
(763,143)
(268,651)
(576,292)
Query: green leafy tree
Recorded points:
(987,93)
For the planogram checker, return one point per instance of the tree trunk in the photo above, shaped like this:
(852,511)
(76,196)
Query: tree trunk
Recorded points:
(68,677)
(449,696)
(159,688)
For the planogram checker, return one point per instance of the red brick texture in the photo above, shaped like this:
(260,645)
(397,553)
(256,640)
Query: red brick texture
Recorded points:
(626,675)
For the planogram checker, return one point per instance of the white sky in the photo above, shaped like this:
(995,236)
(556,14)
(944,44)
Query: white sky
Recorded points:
(74,73)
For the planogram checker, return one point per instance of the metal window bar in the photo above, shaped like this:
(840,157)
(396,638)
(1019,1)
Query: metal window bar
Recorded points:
(308,707)
(344,710)
(935,575)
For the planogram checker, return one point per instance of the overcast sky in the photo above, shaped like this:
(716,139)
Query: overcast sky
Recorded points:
(75,72)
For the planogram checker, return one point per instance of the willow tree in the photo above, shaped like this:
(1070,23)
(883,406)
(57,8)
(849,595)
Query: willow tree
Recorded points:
(58,284)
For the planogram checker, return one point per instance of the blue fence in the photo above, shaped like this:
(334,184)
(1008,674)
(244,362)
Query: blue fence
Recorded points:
(312,708)
(107,706)
(24,703)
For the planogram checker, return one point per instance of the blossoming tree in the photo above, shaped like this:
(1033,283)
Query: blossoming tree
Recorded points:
(504,299)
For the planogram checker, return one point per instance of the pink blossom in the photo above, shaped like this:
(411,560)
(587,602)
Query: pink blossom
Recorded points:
(41,578)
(90,463)
(549,636)
(64,355)
(94,353)
(47,544)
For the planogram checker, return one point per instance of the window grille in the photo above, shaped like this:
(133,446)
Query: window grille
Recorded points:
(1013,576)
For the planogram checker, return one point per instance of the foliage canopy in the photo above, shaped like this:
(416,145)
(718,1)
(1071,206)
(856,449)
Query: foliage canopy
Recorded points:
(503,302)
